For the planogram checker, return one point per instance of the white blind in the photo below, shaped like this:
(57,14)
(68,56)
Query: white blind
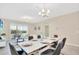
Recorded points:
(22,27)
(13,27)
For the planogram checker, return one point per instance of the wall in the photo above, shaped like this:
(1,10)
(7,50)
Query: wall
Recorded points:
(64,26)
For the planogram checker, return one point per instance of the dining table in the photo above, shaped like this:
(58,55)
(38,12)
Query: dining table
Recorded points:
(32,47)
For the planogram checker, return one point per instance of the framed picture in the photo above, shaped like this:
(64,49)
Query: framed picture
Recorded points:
(38,27)
(35,28)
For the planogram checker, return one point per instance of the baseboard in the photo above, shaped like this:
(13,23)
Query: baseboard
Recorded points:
(76,45)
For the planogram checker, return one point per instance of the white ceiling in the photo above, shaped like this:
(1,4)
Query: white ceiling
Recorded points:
(30,10)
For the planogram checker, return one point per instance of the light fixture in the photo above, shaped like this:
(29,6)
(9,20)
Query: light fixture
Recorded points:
(44,12)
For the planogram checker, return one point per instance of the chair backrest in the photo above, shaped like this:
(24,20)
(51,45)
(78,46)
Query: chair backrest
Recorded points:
(13,50)
(54,44)
(58,49)
(55,36)
(30,37)
(39,36)
(63,42)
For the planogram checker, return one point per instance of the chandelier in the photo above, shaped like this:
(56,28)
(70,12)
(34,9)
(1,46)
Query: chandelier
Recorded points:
(44,12)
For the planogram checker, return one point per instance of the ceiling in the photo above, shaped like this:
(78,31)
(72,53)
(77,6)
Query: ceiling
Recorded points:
(28,12)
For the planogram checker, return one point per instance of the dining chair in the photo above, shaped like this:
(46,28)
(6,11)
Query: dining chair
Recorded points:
(63,42)
(39,36)
(13,50)
(30,37)
(53,52)
(55,36)
(54,44)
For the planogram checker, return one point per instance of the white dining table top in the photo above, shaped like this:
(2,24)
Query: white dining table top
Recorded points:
(35,45)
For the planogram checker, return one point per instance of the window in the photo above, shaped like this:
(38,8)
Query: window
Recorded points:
(23,30)
(13,27)
(19,29)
